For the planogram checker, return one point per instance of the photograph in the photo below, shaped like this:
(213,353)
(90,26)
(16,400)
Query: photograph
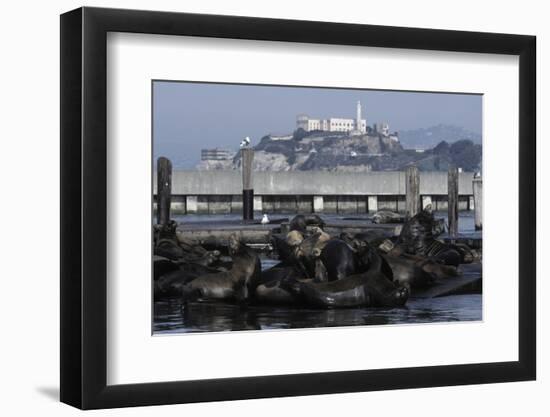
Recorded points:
(246,194)
(281,207)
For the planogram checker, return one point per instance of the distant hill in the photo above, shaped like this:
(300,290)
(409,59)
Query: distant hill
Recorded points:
(331,151)
(427,138)
(326,151)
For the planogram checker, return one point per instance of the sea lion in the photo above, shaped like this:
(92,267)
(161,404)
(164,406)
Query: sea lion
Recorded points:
(367,289)
(339,259)
(191,246)
(285,246)
(296,251)
(236,284)
(294,238)
(417,238)
(320,237)
(299,224)
(171,283)
(321,273)
(166,242)
(342,259)
(270,291)
(171,244)
(209,258)
(386,216)
(409,273)
(308,251)
(439,271)
(315,220)
(162,265)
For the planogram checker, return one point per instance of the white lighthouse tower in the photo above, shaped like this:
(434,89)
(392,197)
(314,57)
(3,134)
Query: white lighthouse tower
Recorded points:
(360,124)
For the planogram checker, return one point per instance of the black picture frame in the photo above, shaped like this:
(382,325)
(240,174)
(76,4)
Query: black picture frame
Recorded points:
(84,207)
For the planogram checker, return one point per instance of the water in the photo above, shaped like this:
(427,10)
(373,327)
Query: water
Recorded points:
(170,317)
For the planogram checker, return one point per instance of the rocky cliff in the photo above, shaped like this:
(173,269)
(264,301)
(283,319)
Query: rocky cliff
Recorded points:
(322,151)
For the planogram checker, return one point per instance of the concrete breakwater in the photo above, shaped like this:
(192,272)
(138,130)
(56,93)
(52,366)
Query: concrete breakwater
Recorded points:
(220,192)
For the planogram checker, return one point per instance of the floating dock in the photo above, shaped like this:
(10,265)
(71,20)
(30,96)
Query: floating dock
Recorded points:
(218,232)
(214,233)
(474,239)
(469,282)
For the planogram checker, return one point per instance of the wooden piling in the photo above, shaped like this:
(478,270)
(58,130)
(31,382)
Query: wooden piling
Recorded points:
(452,189)
(477,185)
(164,190)
(412,190)
(247,157)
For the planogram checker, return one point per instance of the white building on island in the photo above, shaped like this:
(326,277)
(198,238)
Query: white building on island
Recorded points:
(334,124)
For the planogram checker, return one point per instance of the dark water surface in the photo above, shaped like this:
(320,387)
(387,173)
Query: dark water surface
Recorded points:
(170,317)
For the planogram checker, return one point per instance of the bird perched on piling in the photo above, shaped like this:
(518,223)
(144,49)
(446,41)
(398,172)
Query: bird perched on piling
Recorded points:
(245,142)
(265,219)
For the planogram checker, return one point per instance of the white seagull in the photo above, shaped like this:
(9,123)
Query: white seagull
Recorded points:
(245,142)
(353,154)
(265,219)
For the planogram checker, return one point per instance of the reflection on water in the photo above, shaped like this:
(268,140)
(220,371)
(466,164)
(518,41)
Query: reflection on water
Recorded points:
(170,317)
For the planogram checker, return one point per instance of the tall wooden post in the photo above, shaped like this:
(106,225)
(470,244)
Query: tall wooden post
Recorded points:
(247,156)
(452,189)
(164,190)
(477,185)
(412,190)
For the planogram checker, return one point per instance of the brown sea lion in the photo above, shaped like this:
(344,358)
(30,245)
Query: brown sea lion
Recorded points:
(386,216)
(315,220)
(301,222)
(409,273)
(307,253)
(165,241)
(162,266)
(285,245)
(367,289)
(341,260)
(171,283)
(235,284)
(417,238)
(270,291)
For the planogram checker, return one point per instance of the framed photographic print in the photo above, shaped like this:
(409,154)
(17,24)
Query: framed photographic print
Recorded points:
(258,208)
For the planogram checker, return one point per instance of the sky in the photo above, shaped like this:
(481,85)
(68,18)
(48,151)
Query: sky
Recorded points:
(188,117)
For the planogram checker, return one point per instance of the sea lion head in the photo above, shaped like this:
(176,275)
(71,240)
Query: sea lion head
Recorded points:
(323,236)
(316,229)
(315,219)
(294,238)
(418,231)
(298,223)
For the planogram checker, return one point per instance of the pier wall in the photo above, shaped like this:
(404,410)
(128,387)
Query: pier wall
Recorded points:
(220,192)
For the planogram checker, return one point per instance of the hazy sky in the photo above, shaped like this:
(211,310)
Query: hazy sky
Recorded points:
(190,116)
